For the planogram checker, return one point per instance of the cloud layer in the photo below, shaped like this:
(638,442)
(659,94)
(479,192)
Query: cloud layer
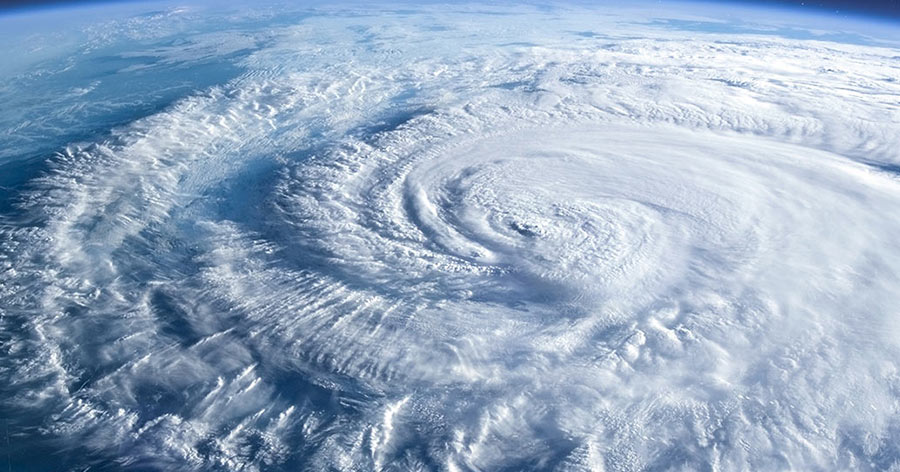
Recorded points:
(480,239)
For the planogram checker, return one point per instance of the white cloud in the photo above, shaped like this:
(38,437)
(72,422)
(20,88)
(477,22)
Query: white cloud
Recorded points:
(497,243)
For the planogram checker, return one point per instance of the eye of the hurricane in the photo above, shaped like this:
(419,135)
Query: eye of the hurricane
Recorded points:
(550,218)
(528,230)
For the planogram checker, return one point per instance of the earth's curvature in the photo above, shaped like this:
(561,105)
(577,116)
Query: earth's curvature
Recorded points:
(462,236)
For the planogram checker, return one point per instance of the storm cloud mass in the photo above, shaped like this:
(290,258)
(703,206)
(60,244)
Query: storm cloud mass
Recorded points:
(453,238)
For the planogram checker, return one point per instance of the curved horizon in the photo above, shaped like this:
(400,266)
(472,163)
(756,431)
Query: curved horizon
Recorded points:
(884,9)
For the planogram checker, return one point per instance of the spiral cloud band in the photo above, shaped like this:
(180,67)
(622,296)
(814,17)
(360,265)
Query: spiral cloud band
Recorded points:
(550,239)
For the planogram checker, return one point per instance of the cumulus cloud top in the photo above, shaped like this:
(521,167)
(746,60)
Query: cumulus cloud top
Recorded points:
(478,239)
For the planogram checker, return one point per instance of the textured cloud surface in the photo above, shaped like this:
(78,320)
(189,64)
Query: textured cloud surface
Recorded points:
(469,239)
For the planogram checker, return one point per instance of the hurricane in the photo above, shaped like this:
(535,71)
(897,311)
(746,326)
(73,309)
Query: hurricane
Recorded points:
(455,237)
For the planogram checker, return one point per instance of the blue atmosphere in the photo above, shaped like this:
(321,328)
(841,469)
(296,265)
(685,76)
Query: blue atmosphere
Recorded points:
(889,8)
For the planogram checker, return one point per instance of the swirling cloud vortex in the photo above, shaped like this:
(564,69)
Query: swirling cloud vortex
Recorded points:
(477,247)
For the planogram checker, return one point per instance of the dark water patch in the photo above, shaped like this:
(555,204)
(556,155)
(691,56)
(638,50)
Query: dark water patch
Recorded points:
(173,319)
(241,198)
(13,176)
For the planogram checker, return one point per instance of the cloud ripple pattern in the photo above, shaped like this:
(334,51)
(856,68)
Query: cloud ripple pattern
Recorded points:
(551,252)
